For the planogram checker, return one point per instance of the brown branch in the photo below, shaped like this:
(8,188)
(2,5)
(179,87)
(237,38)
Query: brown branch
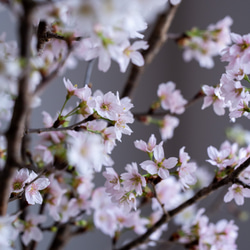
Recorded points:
(14,133)
(75,127)
(156,41)
(198,196)
(151,112)
(61,238)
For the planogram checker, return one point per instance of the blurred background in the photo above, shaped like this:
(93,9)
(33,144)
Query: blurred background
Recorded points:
(197,130)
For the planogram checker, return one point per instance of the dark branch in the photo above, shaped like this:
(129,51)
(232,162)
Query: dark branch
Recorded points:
(156,41)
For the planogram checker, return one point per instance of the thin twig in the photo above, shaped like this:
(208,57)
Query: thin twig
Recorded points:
(71,127)
(88,72)
(151,112)
(21,109)
(156,41)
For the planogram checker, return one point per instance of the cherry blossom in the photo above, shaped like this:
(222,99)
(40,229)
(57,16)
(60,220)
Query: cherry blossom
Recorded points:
(133,180)
(213,97)
(237,192)
(171,99)
(112,180)
(160,165)
(169,123)
(130,53)
(20,179)
(8,232)
(146,147)
(80,153)
(30,228)
(203,45)
(219,158)
(32,193)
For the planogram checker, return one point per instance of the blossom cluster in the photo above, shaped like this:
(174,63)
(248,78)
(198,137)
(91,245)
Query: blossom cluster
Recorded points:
(59,174)
(204,235)
(231,92)
(203,45)
(229,157)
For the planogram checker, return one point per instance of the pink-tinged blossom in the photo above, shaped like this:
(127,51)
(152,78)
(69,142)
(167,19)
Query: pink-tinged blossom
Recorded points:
(100,199)
(171,99)
(186,216)
(220,32)
(167,126)
(237,51)
(67,209)
(133,180)
(232,91)
(130,52)
(240,110)
(121,126)
(107,106)
(43,154)
(146,147)
(203,45)
(72,90)
(106,221)
(187,175)
(168,193)
(112,180)
(8,232)
(109,137)
(213,97)
(183,156)
(237,192)
(6,105)
(134,221)
(127,201)
(20,179)
(219,158)
(160,165)
(225,234)
(55,193)
(32,193)
(30,228)
(187,169)
(80,153)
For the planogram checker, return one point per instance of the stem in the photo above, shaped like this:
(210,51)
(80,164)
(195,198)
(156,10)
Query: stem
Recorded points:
(88,72)
(156,41)
(61,238)
(14,133)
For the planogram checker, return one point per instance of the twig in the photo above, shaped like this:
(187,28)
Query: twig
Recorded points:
(198,196)
(22,105)
(151,112)
(71,127)
(88,72)
(156,41)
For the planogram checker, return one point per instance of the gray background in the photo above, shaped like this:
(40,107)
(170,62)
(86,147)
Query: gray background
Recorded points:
(197,130)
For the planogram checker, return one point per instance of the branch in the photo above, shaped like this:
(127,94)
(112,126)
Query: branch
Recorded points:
(14,133)
(156,41)
(71,127)
(151,112)
(198,196)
